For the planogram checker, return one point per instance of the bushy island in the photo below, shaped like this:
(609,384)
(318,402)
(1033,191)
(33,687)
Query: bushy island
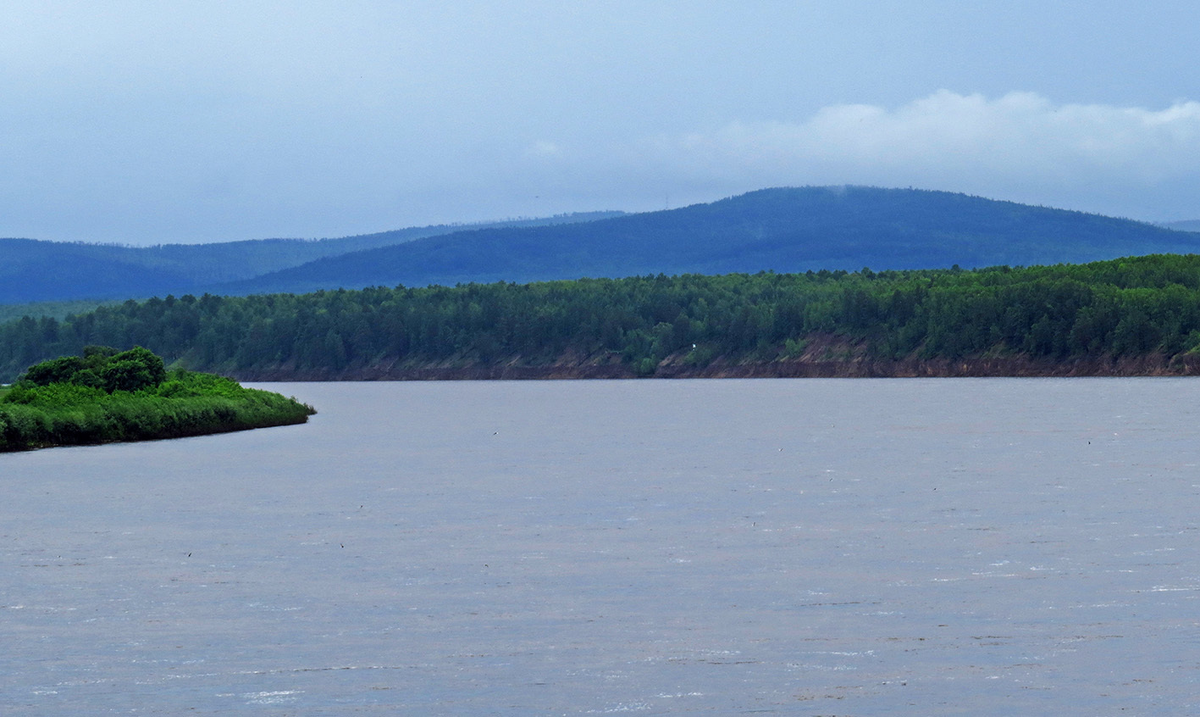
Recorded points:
(105,396)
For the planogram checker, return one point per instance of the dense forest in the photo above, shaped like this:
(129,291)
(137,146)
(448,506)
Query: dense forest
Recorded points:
(57,309)
(1090,318)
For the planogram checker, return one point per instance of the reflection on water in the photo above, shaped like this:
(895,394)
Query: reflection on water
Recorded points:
(976,546)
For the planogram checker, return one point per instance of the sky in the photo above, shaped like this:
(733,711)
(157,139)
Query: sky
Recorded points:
(147,122)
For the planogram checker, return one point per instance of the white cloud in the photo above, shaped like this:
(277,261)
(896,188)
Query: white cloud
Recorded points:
(946,140)
(544,148)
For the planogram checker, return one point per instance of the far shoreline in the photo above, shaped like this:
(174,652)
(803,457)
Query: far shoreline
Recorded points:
(1153,365)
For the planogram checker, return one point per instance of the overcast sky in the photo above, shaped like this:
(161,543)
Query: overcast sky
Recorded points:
(161,122)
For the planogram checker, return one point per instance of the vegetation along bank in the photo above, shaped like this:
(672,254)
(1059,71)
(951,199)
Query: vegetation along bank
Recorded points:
(105,396)
(1134,316)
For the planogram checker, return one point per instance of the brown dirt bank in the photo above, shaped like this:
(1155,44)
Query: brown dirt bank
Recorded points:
(1016,366)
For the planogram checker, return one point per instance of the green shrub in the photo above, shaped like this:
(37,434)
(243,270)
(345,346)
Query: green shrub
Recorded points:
(55,370)
(102,367)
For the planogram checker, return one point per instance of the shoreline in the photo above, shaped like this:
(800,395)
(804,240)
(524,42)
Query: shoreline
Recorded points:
(1007,367)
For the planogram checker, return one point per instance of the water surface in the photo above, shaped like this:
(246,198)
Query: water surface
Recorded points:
(944,546)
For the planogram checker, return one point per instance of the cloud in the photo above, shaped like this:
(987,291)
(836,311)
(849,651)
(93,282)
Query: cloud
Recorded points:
(544,148)
(1018,143)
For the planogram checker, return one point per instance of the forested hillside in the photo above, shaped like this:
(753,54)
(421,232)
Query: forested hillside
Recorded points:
(56,309)
(1124,316)
(43,271)
(783,230)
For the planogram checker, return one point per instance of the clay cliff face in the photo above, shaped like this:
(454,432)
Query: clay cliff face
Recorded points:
(850,367)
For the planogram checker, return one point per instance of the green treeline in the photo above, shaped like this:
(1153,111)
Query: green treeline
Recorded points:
(105,396)
(1111,309)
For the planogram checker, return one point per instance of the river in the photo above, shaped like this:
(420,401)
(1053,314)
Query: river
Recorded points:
(814,546)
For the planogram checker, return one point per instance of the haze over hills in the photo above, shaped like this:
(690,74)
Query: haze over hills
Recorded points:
(782,230)
(1187,225)
(36,271)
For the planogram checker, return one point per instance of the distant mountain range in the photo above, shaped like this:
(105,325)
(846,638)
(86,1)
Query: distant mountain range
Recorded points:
(783,230)
(39,271)
(1187,225)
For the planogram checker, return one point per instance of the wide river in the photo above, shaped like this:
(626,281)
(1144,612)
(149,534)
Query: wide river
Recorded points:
(849,547)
